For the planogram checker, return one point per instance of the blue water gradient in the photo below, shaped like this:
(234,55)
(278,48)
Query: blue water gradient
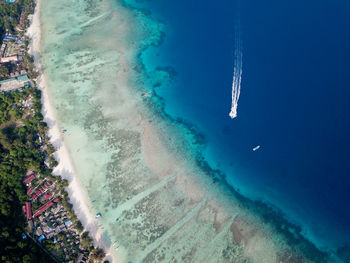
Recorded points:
(294,100)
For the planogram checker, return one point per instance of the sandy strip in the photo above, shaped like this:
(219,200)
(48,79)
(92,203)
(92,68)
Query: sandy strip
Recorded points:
(65,167)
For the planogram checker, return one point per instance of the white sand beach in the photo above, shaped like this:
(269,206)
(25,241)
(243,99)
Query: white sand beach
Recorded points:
(65,167)
(157,203)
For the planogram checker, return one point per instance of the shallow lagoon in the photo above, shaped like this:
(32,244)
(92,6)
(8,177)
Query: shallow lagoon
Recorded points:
(135,163)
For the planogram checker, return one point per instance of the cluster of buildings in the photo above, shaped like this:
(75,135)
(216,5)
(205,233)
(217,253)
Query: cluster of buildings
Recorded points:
(11,54)
(11,49)
(55,224)
(41,189)
(50,221)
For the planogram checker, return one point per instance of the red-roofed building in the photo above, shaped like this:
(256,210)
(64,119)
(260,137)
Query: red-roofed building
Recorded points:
(45,206)
(30,190)
(47,195)
(28,210)
(41,190)
(29,178)
(36,194)
(9,59)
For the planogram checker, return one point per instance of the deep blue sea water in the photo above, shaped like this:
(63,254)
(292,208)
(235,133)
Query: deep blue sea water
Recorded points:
(294,99)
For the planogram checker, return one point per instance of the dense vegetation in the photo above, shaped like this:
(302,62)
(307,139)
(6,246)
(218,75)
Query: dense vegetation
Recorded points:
(10,14)
(24,145)
(21,124)
(19,150)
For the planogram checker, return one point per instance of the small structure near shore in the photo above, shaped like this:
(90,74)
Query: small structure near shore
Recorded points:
(9,59)
(15,83)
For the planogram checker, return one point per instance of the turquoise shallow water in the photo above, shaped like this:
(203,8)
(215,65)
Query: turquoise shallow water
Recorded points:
(294,100)
(169,204)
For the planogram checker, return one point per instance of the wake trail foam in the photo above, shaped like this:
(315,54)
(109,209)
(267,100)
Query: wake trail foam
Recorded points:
(237,71)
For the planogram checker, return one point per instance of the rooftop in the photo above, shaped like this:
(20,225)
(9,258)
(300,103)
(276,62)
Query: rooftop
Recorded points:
(14,83)
(27,210)
(45,206)
(28,179)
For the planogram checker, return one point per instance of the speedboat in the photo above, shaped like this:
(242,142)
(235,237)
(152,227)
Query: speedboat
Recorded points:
(256,148)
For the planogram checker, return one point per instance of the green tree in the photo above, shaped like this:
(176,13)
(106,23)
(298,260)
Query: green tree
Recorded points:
(27,259)
(3,71)
(79,226)
(53,163)
(97,255)
(86,240)
(50,149)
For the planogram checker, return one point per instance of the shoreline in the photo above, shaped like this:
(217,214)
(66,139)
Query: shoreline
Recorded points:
(155,150)
(65,167)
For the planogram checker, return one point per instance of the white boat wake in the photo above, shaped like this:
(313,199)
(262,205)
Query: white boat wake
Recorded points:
(237,71)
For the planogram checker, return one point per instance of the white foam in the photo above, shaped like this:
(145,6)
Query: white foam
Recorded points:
(237,72)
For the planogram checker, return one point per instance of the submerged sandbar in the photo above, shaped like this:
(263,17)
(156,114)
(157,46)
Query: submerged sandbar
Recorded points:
(136,166)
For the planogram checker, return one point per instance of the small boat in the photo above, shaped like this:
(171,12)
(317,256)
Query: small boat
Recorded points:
(256,148)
